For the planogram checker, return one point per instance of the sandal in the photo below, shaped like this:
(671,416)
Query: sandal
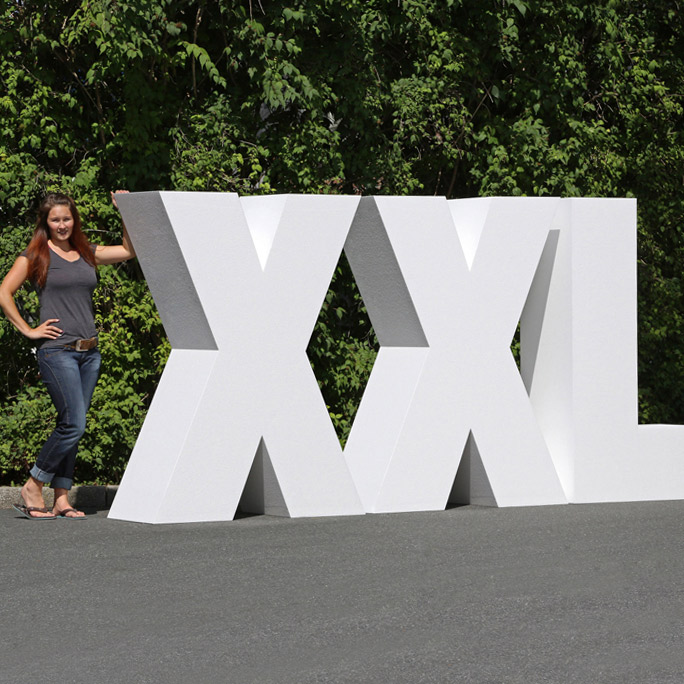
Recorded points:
(27,510)
(63,514)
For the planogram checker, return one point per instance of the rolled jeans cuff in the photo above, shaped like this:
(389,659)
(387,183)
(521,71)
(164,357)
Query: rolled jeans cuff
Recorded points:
(41,475)
(49,478)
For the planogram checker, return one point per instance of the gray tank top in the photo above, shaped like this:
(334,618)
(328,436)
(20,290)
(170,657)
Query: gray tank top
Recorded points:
(68,295)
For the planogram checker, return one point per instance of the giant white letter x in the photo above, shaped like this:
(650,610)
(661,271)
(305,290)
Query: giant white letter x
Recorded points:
(445,284)
(239,285)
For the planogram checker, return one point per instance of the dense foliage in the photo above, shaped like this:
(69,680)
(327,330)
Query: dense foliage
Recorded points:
(450,97)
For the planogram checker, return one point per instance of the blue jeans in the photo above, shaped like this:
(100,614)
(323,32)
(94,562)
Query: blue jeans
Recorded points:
(70,377)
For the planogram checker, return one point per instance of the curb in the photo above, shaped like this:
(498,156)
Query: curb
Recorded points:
(81,496)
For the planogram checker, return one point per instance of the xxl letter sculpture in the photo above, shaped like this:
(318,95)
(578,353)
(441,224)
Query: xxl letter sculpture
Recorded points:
(446,416)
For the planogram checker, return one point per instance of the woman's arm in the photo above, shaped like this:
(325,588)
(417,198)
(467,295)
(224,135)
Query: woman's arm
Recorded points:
(113,254)
(13,281)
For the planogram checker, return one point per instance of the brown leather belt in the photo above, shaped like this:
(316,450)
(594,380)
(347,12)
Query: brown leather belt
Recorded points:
(83,345)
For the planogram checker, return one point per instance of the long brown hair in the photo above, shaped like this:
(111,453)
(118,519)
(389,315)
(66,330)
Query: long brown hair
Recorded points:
(38,251)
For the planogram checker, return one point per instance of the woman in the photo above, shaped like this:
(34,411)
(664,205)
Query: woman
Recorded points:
(61,263)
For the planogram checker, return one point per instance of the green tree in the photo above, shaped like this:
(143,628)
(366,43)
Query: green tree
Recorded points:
(450,97)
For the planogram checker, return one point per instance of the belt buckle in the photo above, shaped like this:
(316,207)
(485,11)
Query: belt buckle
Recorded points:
(84,345)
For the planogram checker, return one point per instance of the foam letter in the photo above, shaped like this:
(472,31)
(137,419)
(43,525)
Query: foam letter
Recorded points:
(445,284)
(239,285)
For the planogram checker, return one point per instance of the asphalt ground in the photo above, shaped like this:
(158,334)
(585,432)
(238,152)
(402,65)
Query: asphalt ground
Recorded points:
(562,594)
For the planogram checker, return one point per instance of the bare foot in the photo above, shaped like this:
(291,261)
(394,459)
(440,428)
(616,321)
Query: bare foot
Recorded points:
(32,494)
